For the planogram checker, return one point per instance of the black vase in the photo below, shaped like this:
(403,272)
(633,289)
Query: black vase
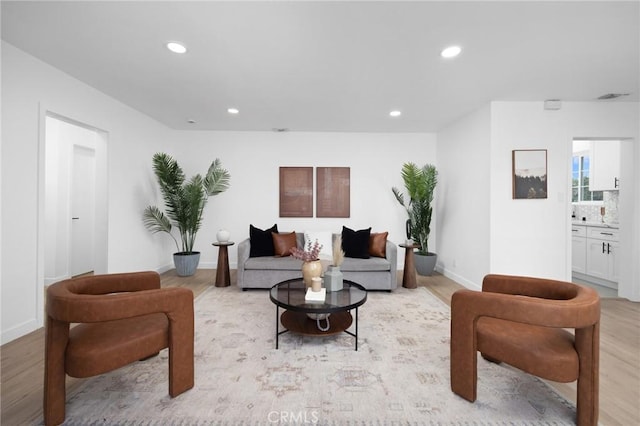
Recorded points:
(408,229)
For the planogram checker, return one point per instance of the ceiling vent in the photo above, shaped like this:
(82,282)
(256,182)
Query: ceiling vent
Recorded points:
(611,96)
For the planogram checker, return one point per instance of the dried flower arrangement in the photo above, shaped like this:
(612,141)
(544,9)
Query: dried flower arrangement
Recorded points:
(311,253)
(338,253)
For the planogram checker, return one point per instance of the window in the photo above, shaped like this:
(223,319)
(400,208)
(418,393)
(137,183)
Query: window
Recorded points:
(580,180)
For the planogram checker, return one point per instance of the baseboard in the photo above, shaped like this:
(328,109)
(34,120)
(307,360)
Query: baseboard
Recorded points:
(595,280)
(201,265)
(49,281)
(165,268)
(460,280)
(207,265)
(19,331)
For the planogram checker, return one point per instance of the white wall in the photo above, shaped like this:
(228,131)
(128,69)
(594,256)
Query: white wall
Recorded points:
(253,160)
(463,198)
(497,234)
(29,89)
(526,237)
(531,237)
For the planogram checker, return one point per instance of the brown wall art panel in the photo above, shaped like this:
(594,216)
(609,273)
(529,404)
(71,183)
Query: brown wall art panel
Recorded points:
(333,192)
(296,191)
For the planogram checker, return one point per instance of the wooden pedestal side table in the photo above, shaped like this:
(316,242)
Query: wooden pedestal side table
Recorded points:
(409,275)
(222,273)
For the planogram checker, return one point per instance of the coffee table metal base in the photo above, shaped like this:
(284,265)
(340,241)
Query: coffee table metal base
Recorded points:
(299,322)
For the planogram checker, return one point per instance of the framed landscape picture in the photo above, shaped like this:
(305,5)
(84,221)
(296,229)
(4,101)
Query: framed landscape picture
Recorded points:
(529,173)
(296,191)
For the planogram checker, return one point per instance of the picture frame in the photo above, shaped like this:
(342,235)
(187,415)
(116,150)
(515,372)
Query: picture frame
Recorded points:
(296,191)
(529,174)
(333,196)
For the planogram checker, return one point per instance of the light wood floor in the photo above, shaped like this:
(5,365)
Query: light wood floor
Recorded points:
(23,359)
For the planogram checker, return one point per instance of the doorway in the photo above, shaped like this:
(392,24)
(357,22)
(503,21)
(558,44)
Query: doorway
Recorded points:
(83,210)
(595,207)
(75,199)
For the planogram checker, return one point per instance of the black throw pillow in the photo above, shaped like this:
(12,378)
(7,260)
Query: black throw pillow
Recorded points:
(356,243)
(261,241)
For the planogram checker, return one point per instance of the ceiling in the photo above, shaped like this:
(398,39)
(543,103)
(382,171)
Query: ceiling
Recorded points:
(333,66)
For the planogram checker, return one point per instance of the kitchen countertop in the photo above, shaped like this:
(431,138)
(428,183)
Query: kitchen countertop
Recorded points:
(595,224)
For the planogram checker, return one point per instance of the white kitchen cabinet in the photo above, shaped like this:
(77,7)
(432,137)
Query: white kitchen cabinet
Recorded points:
(602,253)
(605,166)
(578,249)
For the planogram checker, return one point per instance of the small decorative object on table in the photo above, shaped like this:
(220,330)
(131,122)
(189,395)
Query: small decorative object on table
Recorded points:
(315,296)
(223,236)
(316,284)
(311,266)
(333,276)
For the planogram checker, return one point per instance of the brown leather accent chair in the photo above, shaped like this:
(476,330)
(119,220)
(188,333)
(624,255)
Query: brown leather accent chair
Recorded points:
(521,321)
(122,318)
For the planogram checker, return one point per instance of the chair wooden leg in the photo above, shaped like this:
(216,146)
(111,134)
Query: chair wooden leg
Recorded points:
(463,356)
(56,338)
(588,346)
(181,349)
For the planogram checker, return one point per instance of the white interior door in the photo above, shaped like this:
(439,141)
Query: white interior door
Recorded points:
(82,210)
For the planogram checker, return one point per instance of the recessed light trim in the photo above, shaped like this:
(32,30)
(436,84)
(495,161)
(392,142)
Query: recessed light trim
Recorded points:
(191,121)
(176,47)
(608,96)
(451,52)
(395,113)
(233,110)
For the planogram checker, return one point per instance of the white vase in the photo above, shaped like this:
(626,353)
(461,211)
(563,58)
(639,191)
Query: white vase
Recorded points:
(333,278)
(223,236)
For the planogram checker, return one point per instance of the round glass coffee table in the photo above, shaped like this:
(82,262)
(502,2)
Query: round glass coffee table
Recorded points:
(297,317)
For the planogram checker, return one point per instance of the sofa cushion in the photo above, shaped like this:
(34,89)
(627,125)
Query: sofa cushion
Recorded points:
(356,243)
(351,264)
(378,244)
(274,263)
(261,241)
(283,243)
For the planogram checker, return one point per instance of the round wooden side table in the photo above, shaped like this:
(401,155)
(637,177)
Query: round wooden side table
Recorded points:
(223,278)
(409,275)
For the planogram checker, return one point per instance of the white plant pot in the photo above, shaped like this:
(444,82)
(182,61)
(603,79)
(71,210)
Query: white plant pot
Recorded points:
(425,265)
(186,263)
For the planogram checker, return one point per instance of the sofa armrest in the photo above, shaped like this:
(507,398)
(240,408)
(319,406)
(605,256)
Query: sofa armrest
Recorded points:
(392,256)
(244,249)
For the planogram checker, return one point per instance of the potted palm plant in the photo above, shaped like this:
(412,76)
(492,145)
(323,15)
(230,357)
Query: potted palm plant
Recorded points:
(184,202)
(420,183)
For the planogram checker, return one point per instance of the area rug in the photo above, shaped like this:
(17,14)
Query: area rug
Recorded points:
(398,376)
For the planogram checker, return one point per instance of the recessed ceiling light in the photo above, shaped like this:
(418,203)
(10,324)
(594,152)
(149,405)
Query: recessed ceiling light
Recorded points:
(191,121)
(395,113)
(176,47)
(451,52)
(233,110)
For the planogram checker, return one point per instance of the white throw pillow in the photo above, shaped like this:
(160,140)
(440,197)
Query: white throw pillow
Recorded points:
(324,238)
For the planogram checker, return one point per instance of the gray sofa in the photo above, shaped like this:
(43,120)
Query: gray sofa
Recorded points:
(375,273)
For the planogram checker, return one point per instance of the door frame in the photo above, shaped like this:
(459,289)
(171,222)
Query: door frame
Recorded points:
(101,200)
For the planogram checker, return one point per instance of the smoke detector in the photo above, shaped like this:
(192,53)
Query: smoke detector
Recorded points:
(611,96)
